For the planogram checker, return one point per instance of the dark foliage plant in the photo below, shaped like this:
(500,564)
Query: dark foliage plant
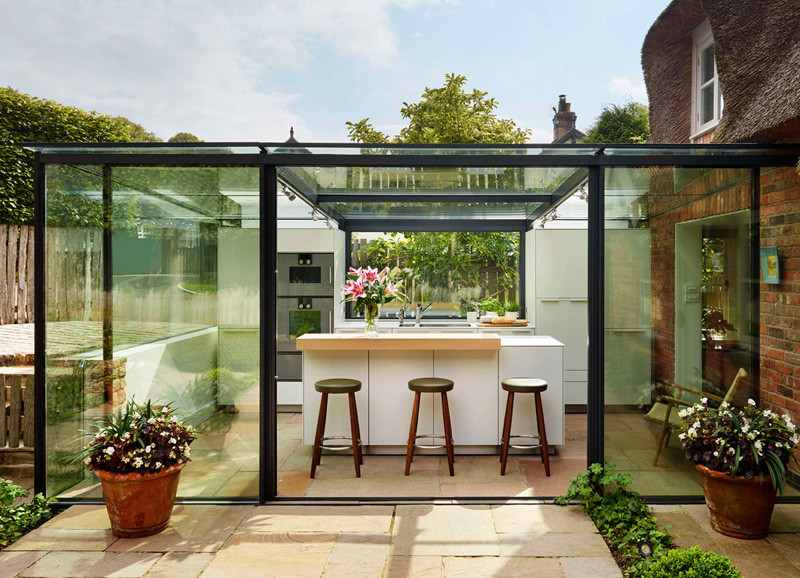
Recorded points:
(139,439)
(16,517)
(620,515)
(749,442)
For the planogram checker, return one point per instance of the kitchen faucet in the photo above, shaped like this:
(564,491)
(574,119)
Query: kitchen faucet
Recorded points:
(420,311)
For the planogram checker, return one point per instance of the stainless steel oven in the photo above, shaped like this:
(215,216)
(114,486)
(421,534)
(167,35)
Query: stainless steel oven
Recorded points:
(305,274)
(297,316)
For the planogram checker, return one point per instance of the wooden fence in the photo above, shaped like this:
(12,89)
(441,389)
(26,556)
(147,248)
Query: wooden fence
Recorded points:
(16,402)
(16,274)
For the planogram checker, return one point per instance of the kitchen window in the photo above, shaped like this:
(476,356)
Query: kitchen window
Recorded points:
(444,269)
(707,104)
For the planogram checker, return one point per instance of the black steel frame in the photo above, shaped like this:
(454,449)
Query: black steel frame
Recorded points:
(596,158)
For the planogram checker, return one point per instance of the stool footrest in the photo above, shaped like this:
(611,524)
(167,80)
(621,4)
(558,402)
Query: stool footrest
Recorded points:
(430,447)
(338,448)
(523,447)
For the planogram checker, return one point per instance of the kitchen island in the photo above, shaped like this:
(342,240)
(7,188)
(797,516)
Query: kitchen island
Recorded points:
(476,363)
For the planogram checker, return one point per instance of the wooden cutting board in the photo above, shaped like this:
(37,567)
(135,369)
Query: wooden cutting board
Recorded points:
(517,323)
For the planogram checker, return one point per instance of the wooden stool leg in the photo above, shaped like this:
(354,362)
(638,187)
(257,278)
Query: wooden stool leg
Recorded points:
(354,433)
(448,433)
(358,433)
(317,455)
(506,432)
(412,434)
(542,433)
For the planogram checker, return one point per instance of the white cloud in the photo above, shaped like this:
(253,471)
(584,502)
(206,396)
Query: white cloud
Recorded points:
(205,66)
(622,86)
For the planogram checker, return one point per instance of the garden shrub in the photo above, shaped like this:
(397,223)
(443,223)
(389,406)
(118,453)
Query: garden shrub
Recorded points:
(16,520)
(692,563)
(26,118)
(620,515)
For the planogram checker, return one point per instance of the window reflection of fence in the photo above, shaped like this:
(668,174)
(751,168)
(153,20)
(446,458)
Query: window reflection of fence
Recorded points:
(16,401)
(16,274)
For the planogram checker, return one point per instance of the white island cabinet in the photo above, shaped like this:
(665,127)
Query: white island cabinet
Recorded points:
(475,362)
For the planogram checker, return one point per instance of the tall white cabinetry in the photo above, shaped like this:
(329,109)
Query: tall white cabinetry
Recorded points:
(561,293)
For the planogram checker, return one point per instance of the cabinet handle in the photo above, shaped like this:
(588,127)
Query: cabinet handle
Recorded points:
(330,275)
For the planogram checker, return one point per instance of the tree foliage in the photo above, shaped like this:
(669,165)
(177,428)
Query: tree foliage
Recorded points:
(449,114)
(27,118)
(451,261)
(455,260)
(184,137)
(628,123)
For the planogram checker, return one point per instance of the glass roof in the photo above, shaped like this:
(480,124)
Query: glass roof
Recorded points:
(432,193)
(356,149)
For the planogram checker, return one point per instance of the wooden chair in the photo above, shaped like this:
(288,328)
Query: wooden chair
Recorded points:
(662,413)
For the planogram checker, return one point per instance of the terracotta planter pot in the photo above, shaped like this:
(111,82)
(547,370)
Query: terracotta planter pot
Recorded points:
(739,507)
(140,504)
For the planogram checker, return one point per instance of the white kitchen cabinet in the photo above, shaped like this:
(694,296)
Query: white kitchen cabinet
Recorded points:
(562,302)
(390,400)
(561,263)
(318,365)
(472,394)
(543,362)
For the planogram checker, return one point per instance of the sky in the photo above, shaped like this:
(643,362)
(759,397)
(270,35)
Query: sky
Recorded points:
(247,70)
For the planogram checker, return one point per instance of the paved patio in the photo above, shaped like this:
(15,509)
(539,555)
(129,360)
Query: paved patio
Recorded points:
(406,540)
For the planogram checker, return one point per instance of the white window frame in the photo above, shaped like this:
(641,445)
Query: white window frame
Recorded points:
(702,39)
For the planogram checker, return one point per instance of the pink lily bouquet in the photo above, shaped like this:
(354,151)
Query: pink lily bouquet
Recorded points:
(369,289)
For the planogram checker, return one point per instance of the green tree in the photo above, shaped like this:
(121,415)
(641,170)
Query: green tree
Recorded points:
(454,260)
(449,114)
(137,133)
(184,137)
(26,118)
(629,123)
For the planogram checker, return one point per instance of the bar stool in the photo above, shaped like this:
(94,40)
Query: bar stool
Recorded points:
(524,385)
(430,385)
(336,386)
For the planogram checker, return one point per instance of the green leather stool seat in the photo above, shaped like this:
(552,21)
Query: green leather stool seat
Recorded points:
(524,385)
(338,385)
(430,385)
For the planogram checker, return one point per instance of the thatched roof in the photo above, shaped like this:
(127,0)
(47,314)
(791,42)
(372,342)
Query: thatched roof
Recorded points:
(757,48)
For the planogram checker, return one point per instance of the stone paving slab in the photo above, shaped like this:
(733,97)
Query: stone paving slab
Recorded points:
(91,564)
(409,540)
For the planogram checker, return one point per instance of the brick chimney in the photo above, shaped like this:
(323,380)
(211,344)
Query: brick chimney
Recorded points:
(564,119)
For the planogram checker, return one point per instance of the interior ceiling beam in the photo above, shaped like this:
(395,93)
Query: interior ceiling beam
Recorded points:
(307,193)
(564,190)
(399,196)
(380,225)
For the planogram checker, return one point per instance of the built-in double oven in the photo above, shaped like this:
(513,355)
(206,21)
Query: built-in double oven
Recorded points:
(304,305)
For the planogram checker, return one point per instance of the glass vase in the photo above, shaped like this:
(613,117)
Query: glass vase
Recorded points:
(371,313)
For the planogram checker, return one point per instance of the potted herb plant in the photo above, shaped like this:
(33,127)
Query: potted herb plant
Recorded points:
(471,308)
(492,305)
(138,454)
(742,455)
(512,309)
(368,289)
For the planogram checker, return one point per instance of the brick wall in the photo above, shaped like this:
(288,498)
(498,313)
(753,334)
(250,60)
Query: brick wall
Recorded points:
(669,202)
(780,304)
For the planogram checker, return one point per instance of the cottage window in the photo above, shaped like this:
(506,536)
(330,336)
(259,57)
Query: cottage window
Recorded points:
(707,102)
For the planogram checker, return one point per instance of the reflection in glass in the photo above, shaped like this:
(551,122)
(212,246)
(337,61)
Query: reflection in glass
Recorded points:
(180,324)
(677,312)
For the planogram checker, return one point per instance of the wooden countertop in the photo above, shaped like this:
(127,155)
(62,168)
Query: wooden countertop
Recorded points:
(399,342)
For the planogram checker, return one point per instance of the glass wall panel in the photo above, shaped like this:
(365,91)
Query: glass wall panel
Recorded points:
(182,316)
(677,312)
